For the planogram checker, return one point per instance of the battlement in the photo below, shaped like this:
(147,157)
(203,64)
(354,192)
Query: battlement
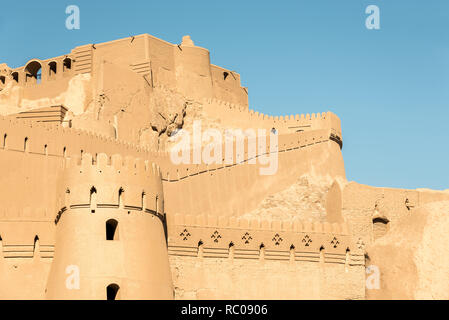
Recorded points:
(53,139)
(111,182)
(242,238)
(242,117)
(118,164)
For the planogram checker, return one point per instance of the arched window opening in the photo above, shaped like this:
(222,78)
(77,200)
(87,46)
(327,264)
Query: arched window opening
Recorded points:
(93,199)
(112,229)
(2,79)
(112,291)
(4,141)
(15,76)
(225,75)
(380,227)
(67,64)
(52,69)
(64,152)
(33,72)
(45,150)
(25,144)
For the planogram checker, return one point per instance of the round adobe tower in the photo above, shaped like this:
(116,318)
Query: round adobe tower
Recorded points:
(110,238)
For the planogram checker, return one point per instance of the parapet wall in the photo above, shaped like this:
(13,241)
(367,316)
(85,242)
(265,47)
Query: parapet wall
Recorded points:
(235,258)
(240,238)
(113,182)
(239,116)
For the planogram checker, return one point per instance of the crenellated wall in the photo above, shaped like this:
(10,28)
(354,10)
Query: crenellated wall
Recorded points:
(238,116)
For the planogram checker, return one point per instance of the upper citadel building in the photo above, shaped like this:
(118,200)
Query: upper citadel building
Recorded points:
(89,191)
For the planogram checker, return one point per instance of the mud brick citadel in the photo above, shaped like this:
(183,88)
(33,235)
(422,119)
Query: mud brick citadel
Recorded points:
(94,208)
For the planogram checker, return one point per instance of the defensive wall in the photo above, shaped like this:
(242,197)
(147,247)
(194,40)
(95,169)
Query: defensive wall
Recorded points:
(239,116)
(260,259)
(33,159)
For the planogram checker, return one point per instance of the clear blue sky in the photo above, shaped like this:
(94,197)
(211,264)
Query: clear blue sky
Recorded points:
(390,86)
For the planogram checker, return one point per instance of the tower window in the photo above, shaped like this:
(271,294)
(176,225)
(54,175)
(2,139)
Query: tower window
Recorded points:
(111,229)
(112,291)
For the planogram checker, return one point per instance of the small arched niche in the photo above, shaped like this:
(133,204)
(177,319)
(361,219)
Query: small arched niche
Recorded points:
(380,227)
